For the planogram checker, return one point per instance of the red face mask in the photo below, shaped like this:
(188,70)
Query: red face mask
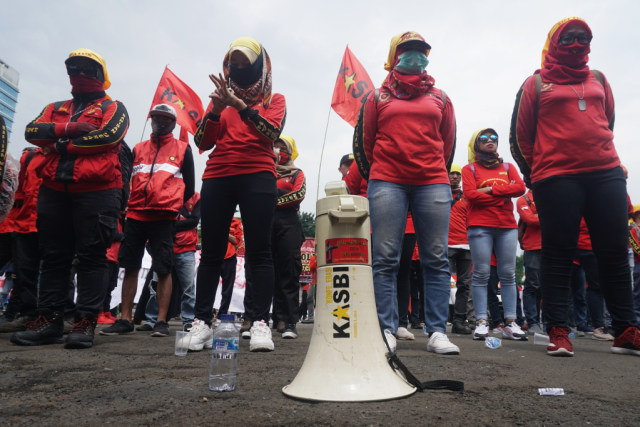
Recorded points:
(283,159)
(83,84)
(573,55)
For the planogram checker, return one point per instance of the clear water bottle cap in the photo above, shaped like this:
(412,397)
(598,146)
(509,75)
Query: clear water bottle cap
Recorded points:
(228,317)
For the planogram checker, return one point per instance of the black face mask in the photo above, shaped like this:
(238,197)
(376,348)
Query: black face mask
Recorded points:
(246,76)
(162,128)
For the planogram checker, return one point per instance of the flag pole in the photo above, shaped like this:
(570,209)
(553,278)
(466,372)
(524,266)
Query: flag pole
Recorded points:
(143,129)
(322,153)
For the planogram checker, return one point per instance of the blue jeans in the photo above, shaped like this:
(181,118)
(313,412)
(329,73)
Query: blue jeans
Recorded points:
(430,207)
(504,243)
(184,265)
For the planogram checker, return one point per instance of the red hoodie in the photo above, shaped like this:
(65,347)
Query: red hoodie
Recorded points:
(405,141)
(496,209)
(563,140)
(458,221)
(531,241)
(243,140)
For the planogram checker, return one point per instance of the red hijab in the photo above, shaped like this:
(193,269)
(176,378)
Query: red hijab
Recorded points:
(565,64)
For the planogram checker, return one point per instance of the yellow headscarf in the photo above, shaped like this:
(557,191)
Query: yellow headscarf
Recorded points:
(471,152)
(553,30)
(399,39)
(250,47)
(97,58)
(292,145)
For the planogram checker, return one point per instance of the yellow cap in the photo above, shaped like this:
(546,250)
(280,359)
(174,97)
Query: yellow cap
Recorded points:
(636,208)
(455,168)
(95,57)
(292,144)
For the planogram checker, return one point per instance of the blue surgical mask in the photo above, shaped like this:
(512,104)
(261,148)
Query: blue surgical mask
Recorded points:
(412,62)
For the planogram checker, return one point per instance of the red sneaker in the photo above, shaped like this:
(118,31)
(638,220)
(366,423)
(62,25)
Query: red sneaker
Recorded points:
(111,316)
(104,319)
(559,343)
(628,342)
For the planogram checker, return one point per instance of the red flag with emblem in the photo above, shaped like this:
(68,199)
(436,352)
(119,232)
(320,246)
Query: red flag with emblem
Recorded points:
(173,91)
(352,84)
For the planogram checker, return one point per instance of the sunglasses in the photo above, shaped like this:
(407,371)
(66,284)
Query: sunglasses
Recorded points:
(567,39)
(87,70)
(486,138)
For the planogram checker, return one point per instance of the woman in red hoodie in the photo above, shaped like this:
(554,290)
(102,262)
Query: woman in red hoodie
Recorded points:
(403,145)
(244,122)
(489,184)
(562,139)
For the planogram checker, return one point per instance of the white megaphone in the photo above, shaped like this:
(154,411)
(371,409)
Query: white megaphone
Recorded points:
(346,360)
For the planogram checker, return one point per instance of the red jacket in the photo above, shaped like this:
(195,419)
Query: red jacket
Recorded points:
(458,221)
(112,251)
(236,231)
(187,239)
(291,191)
(356,185)
(531,241)
(496,209)
(243,141)
(563,140)
(22,217)
(156,178)
(634,233)
(90,162)
(405,141)
(584,238)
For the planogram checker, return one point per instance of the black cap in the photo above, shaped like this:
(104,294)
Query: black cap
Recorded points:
(347,158)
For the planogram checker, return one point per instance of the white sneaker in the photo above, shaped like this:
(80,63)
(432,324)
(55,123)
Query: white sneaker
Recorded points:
(404,334)
(391,340)
(201,336)
(482,330)
(513,332)
(439,343)
(260,337)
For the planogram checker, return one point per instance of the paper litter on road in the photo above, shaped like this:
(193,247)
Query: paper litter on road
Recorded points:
(551,391)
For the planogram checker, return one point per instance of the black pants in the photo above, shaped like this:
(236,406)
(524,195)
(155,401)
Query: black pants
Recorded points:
(601,198)
(75,223)
(256,196)
(286,240)
(404,278)
(228,276)
(460,263)
(26,266)
(417,292)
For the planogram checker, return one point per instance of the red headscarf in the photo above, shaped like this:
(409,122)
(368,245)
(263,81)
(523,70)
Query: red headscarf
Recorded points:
(561,64)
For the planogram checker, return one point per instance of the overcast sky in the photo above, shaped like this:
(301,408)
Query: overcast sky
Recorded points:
(481,53)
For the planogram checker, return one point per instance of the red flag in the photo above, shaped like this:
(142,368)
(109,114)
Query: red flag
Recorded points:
(352,84)
(173,91)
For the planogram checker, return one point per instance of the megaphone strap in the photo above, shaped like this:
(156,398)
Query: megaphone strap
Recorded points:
(421,386)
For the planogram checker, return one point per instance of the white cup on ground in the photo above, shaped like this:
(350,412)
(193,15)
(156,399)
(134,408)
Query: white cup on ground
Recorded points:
(183,339)
(540,339)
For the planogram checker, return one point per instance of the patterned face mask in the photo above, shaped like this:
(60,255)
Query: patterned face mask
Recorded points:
(412,62)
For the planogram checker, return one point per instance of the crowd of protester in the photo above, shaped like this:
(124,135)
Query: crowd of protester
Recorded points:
(87,206)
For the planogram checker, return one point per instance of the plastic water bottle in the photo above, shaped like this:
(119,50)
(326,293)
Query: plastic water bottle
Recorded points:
(224,362)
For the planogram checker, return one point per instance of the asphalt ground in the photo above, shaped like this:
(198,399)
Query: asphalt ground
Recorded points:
(136,380)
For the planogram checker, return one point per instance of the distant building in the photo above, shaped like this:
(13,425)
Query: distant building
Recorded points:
(9,79)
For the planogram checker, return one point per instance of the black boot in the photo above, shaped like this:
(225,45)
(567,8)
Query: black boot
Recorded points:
(46,329)
(82,333)
(460,328)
